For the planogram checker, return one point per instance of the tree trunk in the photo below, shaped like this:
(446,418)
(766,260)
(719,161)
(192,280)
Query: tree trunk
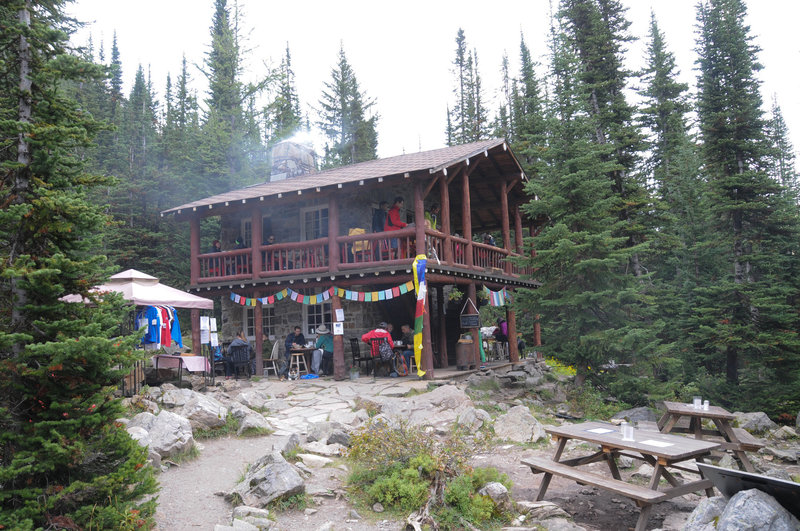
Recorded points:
(19,295)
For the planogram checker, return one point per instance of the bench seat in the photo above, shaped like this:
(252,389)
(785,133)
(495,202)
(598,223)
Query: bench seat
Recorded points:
(747,441)
(643,495)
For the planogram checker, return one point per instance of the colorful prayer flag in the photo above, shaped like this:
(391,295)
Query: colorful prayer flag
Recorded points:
(421,287)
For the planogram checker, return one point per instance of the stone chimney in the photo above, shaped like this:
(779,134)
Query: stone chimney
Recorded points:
(290,159)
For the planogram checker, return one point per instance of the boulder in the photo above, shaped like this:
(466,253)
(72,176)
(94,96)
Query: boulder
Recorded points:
(173,397)
(254,421)
(143,403)
(321,448)
(284,445)
(314,461)
(239,410)
(753,510)
(789,456)
(339,437)
(204,412)
(320,431)
(170,434)
(783,433)
(518,425)
(499,495)
(254,399)
(637,414)
(541,510)
(473,418)
(142,420)
(644,471)
(270,478)
(757,422)
(705,514)
(140,435)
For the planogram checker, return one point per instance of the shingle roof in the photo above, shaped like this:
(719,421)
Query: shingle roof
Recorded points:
(432,161)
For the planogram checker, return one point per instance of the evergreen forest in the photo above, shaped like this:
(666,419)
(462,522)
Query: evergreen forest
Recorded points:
(668,235)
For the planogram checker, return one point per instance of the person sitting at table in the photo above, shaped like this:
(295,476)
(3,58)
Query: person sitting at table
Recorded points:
(323,353)
(407,341)
(239,341)
(378,333)
(293,341)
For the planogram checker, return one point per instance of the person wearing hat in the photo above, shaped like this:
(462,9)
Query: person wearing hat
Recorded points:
(323,353)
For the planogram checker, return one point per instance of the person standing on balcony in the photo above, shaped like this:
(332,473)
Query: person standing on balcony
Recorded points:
(379,217)
(214,268)
(393,223)
(432,217)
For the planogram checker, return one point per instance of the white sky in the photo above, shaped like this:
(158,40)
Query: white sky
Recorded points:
(402,52)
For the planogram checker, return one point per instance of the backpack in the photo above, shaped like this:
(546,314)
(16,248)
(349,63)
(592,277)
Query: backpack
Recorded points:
(400,366)
(385,351)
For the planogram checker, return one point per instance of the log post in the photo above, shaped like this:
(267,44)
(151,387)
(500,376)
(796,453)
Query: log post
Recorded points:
(475,332)
(197,347)
(511,319)
(505,223)
(518,230)
(258,329)
(256,240)
(339,369)
(334,257)
(466,216)
(444,198)
(427,346)
(442,326)
(419,219)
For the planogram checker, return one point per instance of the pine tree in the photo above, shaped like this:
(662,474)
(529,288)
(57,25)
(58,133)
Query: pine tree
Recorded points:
(529,137)
(283,116)
(744,320)
(781,159)
(352,137)
(63,461)
(467,120)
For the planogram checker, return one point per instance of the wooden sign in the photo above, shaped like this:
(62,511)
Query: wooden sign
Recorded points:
(470,321)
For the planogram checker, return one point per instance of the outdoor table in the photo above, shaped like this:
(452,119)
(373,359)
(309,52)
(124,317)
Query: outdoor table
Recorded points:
(658,449)
(736,440)
(190,363)
(307,353)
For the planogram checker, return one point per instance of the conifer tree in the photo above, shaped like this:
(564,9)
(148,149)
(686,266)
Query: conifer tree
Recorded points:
(283,116)
(744,321)
(529,137)
(352,136)
(467,120)
(783,166)
(64,462)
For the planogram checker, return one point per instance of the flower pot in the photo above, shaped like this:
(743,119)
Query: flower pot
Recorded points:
(354,375)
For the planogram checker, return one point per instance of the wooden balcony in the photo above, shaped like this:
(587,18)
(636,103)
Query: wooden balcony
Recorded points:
(367,252)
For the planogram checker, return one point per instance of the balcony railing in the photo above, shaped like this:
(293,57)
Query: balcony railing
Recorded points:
(356,252)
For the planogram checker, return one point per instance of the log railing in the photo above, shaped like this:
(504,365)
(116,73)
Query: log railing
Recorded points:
(356,251)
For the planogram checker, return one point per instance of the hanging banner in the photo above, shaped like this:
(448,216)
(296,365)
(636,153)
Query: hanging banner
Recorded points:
(319,298)
(421,287)
(497,298)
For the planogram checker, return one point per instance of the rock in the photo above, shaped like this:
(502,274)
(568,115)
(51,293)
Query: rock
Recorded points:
(561,524)
(255,422)
(170,434)
(143,420)
(173,397)
(705,514)
(239,410)
(727,461)
(790,456)
(241,525)
(323,449)
(518,425)
(354,515)
(473,418)
(204,412)
(284,445)
(243,511)
(757,422)
(644,471)
(139,435)
(378,508)
(542,510)
(143,403)
(309,511)
(778,473)
(753,510)
(260,523)
(624,461)
(253,399)
(327,526)
(314,461)
(320,431)
(339,437)
(637,414)
(270,478)
(343,416)
(783,433)
(499,495)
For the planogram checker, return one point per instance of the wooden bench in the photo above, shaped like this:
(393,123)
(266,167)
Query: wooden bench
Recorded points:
(747,441)
(643,496)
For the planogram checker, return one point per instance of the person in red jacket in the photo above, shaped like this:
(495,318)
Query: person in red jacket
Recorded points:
(393,222)
(379,333)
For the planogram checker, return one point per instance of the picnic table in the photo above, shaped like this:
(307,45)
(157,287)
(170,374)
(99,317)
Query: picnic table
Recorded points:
(190,363)
(660,450)
(736,440)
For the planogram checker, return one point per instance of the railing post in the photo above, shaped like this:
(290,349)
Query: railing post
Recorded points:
(194,243)
(444,197)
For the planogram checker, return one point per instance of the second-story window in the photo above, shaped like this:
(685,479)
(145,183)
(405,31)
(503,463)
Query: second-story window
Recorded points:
(314,222)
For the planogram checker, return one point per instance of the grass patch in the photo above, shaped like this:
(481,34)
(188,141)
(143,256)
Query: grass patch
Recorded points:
(591,402)
(297,501)
(188,455)
(486,384)
(229,428)
(370,407)
(292,454)
(256,432)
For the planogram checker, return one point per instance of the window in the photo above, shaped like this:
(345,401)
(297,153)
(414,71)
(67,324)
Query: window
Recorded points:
(314,222)
(247,232)
(267,321)
(315,315)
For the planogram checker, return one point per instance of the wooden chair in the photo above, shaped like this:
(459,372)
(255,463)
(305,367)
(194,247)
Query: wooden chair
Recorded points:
(355,346)
(374,346)
(271,364)
(240,358)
